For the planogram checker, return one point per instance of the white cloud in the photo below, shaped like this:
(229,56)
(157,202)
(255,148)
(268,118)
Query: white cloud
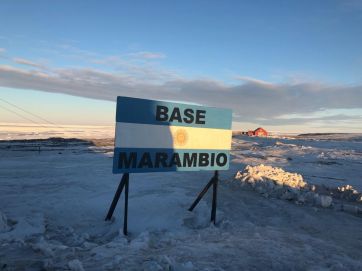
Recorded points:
(247,79)
(148,55)
(2,50)
(148,72)
(27,62)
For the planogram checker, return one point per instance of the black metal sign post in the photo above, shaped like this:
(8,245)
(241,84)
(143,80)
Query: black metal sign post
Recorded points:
(214,181)
(124,183)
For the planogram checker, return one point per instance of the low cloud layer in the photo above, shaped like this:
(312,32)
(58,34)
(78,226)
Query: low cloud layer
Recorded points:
(148,55)
(27,62)
(251,100)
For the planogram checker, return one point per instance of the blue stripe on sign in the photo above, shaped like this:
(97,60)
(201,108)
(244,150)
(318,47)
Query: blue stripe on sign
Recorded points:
(138,160)
(134,110)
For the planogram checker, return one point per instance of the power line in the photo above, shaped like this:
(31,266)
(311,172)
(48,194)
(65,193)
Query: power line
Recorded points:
(19,115)
(34,115)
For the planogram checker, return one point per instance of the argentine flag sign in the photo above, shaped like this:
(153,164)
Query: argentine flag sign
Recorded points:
(156,136)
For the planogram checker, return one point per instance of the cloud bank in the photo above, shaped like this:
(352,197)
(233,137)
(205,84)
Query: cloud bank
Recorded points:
(140,74)
(251,100)
(27,62)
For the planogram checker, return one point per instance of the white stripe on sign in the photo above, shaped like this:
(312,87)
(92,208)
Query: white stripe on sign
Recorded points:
(132,135)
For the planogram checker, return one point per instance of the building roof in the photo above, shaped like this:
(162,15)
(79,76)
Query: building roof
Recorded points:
(259,128)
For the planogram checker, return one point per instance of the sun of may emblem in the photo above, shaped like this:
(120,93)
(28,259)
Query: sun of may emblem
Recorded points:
(180,137)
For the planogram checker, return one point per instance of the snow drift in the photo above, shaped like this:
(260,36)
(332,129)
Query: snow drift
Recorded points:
(277,183)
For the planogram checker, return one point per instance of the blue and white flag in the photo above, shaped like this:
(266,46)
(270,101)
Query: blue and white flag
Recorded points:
(154,136)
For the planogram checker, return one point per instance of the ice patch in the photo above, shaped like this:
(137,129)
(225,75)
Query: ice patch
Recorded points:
(325,201)
(4,227)
(347,192)
(25,228)
(164,262)
(142,241)
(199,218)
(49,249)
(151,266)
(75,265)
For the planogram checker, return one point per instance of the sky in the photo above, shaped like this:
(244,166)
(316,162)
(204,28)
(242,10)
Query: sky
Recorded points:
(290,66)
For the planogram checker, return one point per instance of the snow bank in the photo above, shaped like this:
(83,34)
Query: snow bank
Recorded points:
(347,192)
(23,228)
(277,183)
(75,265)
(272,175)
(3,223)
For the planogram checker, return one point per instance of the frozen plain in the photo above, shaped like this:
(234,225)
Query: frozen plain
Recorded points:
(53,205)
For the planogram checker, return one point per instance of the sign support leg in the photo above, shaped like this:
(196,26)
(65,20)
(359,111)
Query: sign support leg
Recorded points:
(125,218)
(214,197)
(124,183)
(213,182)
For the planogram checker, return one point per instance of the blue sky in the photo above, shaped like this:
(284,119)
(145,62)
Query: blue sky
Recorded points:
(304,56)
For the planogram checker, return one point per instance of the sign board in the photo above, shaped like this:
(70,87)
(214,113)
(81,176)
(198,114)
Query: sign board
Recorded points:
(156,136)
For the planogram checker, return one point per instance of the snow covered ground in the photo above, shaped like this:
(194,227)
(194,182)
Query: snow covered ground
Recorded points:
(54,195)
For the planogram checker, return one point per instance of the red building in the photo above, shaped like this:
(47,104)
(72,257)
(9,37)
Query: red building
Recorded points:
(257,132)
(260,132)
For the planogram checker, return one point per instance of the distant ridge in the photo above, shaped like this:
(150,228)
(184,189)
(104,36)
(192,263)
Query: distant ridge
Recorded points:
(319,134)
